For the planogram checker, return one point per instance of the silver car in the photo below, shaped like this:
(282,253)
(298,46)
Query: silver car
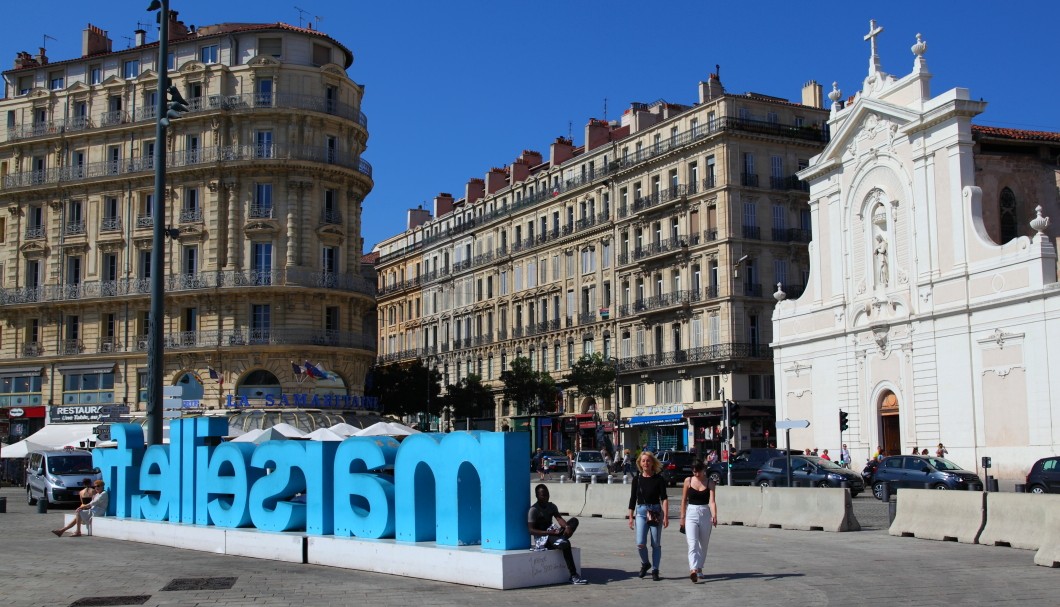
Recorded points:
(56,476)
(589,464)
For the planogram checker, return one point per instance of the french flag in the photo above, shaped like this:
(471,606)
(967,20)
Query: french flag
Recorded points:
(214,375)
(314,371)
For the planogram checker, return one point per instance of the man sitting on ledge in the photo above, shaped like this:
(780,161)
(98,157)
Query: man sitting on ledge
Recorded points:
(552,536)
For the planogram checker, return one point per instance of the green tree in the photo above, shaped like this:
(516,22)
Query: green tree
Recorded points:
(406,388)
(531,392)
(592,375)
(469,398)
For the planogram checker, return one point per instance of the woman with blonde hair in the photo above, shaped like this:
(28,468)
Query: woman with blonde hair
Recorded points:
(649,511)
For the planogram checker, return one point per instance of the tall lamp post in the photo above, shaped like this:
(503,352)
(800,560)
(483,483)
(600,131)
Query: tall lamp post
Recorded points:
(164,111)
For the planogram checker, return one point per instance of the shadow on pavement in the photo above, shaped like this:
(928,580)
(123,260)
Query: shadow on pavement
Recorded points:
(749,575)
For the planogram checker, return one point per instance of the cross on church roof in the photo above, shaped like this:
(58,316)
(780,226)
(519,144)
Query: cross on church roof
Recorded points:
(874,58)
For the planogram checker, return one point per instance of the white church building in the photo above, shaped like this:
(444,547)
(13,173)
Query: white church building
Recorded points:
(932,309)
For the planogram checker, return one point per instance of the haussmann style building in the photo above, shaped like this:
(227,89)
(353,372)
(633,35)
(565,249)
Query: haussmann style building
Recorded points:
(658,242)
(265,181)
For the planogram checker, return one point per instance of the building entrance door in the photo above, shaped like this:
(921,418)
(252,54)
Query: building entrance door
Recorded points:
(890,426)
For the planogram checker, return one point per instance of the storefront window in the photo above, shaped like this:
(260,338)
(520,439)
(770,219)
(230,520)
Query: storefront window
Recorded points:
(88,388)
(20,391)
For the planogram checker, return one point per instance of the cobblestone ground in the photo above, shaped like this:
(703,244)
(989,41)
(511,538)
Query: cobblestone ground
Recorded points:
(745,566)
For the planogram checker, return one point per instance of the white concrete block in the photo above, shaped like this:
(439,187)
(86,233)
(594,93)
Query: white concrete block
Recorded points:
(176,535)
(268,545)
(469,565)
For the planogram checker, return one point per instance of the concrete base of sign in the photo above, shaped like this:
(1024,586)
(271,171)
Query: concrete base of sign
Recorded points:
(469,565)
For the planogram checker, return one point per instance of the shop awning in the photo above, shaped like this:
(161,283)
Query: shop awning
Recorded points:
(52,436)
(656,420)
(32,371)
(86,367)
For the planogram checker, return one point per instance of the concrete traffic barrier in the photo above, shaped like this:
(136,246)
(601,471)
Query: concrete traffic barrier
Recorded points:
(569,498)
(1017,520)
(940,515)
(1049,553)
(808,509)
(738,505)
(611,501)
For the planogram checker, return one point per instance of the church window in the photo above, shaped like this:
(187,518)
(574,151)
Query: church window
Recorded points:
(1008,216)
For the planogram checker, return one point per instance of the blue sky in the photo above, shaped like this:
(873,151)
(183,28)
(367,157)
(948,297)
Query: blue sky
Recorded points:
(453,88)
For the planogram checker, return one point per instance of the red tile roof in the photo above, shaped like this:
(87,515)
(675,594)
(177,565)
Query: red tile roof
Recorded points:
(995,131)
(371,258)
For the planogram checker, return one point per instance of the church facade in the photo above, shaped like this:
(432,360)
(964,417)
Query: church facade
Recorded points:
(930,313)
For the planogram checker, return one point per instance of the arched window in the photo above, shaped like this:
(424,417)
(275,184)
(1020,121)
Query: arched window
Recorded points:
(1008,216)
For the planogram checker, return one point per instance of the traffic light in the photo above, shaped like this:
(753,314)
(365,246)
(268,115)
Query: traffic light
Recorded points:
(734,414)
(175,108)
(724,435)
(843,425)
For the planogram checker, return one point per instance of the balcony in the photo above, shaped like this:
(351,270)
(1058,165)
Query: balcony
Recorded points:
(330,217)
(267,336)
(190,216)
(752,289)
(144,221)
(710,182)
(788,183)
(799,235)
(229,279)
(703,354)
(712,291)
(752,232)
(32,349)
(670,194)
(749,180)
(35,232)
(710,235)
(108,344)
(794,291)
(70,347)
(110,224)
(669,245)
(260,211)
(113,118)
(661,302)
(587,318)
(74,228)
(189,158)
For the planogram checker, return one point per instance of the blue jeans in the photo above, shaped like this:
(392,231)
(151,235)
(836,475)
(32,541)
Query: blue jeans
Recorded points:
(642,529)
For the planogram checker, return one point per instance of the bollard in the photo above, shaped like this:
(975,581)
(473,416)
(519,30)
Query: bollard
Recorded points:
(991,484)
(562,479)
(885,491)
(592,479)
(975,487)
(42,505)
(610,480)
(1021,488)
(892,510)
(625,479)
(3,505)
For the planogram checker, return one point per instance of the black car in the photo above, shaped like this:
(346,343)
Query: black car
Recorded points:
(921,472)
(745,465)
(676,466)
(809,471)
(1044,476)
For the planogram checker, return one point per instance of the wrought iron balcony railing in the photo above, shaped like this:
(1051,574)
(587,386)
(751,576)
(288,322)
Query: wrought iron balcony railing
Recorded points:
(717,352)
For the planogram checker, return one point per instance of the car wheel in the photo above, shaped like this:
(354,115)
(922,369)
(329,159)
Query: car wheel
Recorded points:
(715,478)
(764,483)
(823,485)
(32,501)
(941,487)
(1037,489)
(877,490)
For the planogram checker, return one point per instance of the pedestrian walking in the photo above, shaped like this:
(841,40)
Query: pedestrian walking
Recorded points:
(627,463)
(941,451)
(549,535)
(649,511)
(699,514)
(539,464)
(845,454)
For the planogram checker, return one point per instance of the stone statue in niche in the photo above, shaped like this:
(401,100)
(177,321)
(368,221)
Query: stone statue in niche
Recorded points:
(880,255)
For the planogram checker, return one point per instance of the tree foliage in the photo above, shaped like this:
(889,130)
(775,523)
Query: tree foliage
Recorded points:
(469,398)
(532,392)
(406,388)
(592,375)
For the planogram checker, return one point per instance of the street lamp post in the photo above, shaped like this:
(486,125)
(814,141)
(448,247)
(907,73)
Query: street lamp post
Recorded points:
(155,361)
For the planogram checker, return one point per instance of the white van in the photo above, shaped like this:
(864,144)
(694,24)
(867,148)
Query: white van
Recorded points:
(57,476)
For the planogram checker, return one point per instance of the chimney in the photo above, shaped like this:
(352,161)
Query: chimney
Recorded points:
(23,59)
(41,58)
(418,217)
(140,36)
(561,151)
(94,41)
(531,157)
(443,204)
(177,29)
(474,190)
(712,88)
(519,171)
(495,180)
(813,94)
(597,133)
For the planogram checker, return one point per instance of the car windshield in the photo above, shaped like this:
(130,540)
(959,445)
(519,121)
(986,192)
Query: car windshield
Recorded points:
(70,464)
(828,465)
(590,456)
(942,464)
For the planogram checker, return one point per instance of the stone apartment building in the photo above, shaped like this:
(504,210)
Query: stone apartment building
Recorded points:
(658,242)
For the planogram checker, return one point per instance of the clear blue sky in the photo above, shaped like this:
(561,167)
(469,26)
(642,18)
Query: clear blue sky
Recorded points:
(456,87)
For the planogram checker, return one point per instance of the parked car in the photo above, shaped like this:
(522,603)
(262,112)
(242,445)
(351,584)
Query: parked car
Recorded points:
(810,470)
(920,472)
(556,461)
(676,466)
(745,465)
(1044,476)
(56,476)
(588,464)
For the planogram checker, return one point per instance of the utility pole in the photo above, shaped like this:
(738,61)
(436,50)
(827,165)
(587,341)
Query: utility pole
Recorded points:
(728,437)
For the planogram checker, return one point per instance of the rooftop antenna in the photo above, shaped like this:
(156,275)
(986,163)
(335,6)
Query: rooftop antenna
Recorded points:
(128,41)
(301,15)
(44,42)
(318,19)
(570,130)
(146,27)
(605,109)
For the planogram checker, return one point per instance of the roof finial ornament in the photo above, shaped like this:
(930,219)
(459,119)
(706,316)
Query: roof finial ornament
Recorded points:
(835,95)
(1039,223)
(919,49)
(874,58)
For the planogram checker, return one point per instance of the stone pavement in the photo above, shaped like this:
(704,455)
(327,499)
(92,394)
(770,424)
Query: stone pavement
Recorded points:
(746,566)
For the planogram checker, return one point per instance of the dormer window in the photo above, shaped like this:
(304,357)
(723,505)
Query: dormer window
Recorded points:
(208,54)
(131,69)
(55,81)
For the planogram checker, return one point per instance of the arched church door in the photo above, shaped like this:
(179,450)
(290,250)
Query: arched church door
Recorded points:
(890,438)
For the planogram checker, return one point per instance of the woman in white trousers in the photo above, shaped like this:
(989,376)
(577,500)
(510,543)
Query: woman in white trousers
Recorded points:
(699,514)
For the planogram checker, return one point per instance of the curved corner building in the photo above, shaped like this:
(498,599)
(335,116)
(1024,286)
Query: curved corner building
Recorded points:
(264,187)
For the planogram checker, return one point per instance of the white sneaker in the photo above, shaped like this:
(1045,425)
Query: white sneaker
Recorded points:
(578,581)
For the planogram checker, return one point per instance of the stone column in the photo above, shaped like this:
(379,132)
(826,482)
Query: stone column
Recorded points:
(294,203)
(232,232)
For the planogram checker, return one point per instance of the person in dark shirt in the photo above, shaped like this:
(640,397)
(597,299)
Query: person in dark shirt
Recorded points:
(649,511)
(549,535)
(699,513)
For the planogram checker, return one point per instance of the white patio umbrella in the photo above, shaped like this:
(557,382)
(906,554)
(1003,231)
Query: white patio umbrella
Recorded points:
(398,429)
(344,429)
(288,430)
(376,429)
(248,436)
(324,434)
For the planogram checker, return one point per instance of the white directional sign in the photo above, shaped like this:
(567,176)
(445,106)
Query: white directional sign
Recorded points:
(789,424)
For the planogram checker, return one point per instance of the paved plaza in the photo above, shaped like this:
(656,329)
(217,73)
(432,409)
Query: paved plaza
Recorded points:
(746,566)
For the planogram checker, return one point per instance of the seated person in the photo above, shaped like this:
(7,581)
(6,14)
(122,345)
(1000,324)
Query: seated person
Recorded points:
(552,536)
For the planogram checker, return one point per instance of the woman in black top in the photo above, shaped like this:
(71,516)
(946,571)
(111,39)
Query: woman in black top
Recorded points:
(699,513)
(648,508)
